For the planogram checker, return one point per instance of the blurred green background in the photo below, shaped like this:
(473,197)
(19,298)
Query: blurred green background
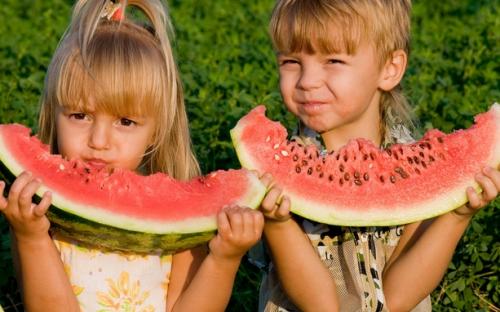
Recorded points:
(227,66)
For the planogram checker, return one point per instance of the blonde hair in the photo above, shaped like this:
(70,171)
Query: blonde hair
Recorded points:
(127,69)
(335,26)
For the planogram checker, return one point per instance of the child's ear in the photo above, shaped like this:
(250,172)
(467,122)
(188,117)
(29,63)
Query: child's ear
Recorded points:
(393,70)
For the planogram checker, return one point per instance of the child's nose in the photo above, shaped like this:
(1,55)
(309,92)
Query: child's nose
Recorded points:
(310,78)
(99,137)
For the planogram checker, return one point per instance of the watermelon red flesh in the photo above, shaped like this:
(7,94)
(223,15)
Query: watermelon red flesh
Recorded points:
(362,185)
(89,201)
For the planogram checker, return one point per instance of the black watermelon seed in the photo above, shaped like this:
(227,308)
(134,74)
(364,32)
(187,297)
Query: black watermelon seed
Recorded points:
(318,168)
(304,162)
(297,169)
(330,177)
(431,159)
(357,182)
(341,168)
(440,140)
(393,179)
(410,160)
(347,176)
(365,157)
(366,177)
(421,154)
(389,152)
(295,157)
(310,170)
(382,179)
(356,175)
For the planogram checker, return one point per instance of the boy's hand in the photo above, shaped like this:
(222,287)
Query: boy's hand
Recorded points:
(489,181)
(27,219)
(274,206)
(238,230)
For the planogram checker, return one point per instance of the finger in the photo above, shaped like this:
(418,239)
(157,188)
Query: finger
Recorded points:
(223,227)
(258,223)
(283,210)
(474,199)
(42,207)
(18,185)
(267,179)
(236,221)
(270,200)
(3,200)
(494,175)
(26,196)
(489,189)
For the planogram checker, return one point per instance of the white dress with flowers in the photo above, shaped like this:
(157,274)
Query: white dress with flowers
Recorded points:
(115,281)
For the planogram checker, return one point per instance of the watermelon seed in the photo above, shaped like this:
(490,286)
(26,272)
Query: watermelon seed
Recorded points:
(410,160)
(416,160)
(417,170)
(431,159)
(347,176)
(365,157)
(372,156)
(310,170)
(87,180)
(295,157)
(341,181)
(304,162)
(293,147)
(321,174)
(356,175)
(61,167)
(341,168)
(370,165)
(338,156)
(323,160)
(401,172)
(393,179)
(389,152)
(345,157)
(421,154)
(318,168)
(284,153)
(440,140)
(382,179)
(268,139)
(366,177)
(276,157)
(297,169)
(276,146)
(310,156)
(396,156)
(87,170)
(424,164)
(357,182)
(330,177)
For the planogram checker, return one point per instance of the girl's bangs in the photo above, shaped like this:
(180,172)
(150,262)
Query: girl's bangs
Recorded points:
(306,27)
(131,84)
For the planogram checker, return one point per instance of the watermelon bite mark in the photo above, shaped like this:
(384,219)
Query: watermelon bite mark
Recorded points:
(123,210)
(362,185)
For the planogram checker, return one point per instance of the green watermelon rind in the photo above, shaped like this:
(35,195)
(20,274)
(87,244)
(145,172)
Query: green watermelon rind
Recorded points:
(311,210)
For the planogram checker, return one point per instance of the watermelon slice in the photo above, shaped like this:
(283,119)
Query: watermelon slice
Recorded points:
(362,185)
(123,210)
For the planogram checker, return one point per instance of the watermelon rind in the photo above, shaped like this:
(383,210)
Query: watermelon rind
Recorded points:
(378,213)
(93,226)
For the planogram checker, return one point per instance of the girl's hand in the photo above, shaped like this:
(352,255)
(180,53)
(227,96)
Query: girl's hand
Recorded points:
(274,206)
(489,181)
(238,230)
(27,219)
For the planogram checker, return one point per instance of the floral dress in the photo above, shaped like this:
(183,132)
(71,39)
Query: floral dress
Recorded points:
(115,281)
(355,257)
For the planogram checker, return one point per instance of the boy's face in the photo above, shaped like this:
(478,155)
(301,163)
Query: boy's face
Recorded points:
(333,92)
(103,140)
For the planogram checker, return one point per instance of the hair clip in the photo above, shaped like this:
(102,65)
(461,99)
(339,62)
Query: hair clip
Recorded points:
(113,11)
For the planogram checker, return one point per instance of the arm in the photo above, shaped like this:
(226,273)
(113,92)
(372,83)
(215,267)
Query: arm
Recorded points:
(43,280)
(305,279)
(425,250)
(208,284)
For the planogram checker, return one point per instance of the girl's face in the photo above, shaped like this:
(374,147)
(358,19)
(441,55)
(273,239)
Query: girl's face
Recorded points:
(103,140)
(337,95)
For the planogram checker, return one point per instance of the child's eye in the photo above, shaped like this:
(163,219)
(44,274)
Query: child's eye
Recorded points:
(335,61)
(126,122)
(288,61)
(78,116)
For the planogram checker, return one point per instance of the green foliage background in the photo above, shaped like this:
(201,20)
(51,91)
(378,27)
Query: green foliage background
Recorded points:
(228,66)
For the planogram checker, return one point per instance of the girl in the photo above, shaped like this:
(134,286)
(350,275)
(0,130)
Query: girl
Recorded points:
(113,99)
(340,65)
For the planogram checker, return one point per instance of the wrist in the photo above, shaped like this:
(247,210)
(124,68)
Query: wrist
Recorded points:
(225,260)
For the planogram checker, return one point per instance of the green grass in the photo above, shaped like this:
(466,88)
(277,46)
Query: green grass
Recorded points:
(228,66)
